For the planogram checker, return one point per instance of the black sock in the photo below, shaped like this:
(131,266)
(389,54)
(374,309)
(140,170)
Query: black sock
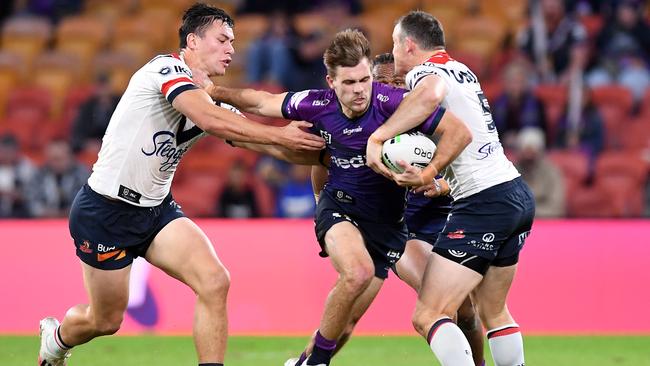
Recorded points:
(322,353)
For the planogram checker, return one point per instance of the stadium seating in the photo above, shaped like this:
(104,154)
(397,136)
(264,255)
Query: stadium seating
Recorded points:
(82,36)
(597,201)
(26,36)
(573,164)
(57,72)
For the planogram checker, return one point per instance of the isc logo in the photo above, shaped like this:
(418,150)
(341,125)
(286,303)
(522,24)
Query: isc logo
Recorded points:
(423,153)
(320,103)
(383,98)
(353,162)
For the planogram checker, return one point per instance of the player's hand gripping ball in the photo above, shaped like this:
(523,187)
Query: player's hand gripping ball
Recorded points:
(414,148)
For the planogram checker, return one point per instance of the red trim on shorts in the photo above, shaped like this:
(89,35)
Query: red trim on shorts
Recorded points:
(166,86)
(503,332)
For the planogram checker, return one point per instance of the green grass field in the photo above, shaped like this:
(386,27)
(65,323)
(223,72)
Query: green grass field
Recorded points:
(361,351)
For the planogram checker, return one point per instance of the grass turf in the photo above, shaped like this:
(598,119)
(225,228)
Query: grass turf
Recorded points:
(361,351)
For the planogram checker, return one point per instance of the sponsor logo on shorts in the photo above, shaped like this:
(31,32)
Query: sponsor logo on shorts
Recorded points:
(114,255)
(393,254)
(488,237)
(481,245)
(105,248)
(85,247)
(458,234)
(457,253)
(522,237)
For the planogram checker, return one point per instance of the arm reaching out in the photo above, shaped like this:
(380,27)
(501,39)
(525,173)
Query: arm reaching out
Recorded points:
(197,106)
(282,153)
(253,101)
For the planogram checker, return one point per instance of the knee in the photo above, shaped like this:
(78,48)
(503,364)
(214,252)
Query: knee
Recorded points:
(356,279)
(214,284)
(421,320)
(107,325)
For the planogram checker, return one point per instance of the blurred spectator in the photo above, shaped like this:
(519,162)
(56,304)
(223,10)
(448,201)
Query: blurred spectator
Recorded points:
(517,107)
(269,58)
(296,197)
(53,9)
(57,182)
(544,178)
(554,41)
(588,134)
(292,7)
(622,50)
(94,114)
(16,174)
(237,200)
(6,9)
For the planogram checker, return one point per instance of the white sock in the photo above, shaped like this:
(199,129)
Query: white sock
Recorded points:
(506,345)
(53,344)
(449,344)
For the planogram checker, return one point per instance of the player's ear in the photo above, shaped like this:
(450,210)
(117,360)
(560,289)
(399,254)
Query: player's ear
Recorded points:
(330,81)
(410,45)
(191,40)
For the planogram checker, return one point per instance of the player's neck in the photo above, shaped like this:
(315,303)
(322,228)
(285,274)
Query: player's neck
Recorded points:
(192,61)
(424,55)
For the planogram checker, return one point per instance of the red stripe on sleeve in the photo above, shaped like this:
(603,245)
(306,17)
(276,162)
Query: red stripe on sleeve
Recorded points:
(166,86)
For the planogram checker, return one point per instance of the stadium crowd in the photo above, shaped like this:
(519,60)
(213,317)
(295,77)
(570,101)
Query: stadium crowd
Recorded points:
(568,83)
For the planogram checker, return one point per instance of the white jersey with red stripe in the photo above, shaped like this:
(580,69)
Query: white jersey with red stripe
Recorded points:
(482,164)
(146,137)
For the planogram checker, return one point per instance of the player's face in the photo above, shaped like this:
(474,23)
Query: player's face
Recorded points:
(403,59)
(353,86)
(215,48)
(385,74)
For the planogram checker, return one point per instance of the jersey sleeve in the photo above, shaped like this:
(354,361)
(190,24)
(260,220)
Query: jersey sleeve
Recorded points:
(419,72)
(170,76)
(304,105)
(389,99)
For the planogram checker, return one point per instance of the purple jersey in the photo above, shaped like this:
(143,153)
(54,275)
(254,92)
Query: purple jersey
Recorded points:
(361,192)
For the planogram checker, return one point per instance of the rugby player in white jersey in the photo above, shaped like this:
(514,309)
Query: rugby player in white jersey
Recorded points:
(126,209)
(492,214)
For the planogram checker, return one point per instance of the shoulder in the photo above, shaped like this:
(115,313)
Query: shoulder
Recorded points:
(308,102)
(168,65)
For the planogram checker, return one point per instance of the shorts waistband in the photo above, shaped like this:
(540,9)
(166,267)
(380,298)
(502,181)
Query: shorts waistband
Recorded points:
(499,188)
(119,203)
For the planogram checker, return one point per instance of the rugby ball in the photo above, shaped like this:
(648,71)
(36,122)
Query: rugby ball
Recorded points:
(414,148)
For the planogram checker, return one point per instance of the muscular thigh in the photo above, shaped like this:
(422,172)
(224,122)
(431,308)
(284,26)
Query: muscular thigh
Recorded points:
(410,267)
(446,284)
(346,247)
(108,290)
(182,250)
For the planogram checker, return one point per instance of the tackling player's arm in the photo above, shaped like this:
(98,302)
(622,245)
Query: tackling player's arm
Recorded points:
(253,101)
(197,106)
(319,175)
(282,153)
(415,108)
